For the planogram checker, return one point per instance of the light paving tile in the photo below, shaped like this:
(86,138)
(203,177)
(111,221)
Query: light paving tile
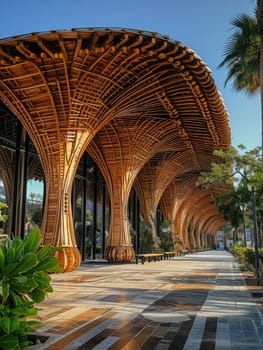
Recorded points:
(195,336)
(106,343)
(90,334)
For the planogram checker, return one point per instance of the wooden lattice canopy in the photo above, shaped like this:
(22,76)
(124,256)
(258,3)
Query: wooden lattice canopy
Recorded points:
(145,107)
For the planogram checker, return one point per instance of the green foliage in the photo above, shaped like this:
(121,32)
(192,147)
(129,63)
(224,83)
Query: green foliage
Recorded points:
(246,256)
(146,243)
(236,245)
(237,165)
(24,280)
(241,167)
(3,216)
(165,235)
(229,206)
(242,54)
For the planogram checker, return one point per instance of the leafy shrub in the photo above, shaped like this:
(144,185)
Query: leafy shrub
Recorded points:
(24,280)
(146,243)
(166,244)
(246,256)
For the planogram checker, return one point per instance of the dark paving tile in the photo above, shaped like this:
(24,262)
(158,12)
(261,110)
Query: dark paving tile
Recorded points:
(151,343)
(180,337)
(209,336)
(139,340)
(96,340)
(125,337)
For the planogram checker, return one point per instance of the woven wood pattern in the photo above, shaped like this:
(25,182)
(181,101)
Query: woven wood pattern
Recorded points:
(124,96)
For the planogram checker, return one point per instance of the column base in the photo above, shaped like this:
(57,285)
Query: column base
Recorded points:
(119,253)
(69,258)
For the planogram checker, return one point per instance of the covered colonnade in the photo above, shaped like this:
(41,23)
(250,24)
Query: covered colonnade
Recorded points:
(134,110)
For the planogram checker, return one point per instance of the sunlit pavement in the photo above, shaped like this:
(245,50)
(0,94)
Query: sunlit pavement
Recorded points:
(199,301)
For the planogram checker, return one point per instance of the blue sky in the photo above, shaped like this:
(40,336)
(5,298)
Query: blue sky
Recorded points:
(202,25)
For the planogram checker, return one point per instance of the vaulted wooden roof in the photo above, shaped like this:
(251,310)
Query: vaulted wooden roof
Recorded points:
(127,96)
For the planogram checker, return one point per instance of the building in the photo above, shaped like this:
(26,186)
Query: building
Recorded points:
(118,123)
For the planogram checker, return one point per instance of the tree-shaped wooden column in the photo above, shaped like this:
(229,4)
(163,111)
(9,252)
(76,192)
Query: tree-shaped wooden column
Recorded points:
(194,205)
(168,204)
(171,202)
(158,173)
(46,81)
(153,178)
(203,202)
(120,149)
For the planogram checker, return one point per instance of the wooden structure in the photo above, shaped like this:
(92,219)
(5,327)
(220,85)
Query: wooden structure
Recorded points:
(143,106)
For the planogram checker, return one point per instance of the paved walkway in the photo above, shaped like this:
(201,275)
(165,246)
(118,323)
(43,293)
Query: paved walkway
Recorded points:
(196,302)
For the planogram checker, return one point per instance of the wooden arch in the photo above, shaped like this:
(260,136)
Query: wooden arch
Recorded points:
(134,93)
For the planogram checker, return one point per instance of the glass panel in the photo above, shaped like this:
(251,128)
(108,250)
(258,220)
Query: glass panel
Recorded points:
(107,214)
(78,213)
(3,209)
(2,191)
(99,222)
(34,204)
(90,243)
(89,221)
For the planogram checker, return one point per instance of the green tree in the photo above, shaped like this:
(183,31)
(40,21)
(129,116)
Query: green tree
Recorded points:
(228,205)
(239,167)
(243,52)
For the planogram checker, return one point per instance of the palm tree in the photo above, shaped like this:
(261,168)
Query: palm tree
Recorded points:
(243,52)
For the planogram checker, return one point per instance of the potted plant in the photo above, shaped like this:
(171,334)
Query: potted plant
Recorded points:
(24,280)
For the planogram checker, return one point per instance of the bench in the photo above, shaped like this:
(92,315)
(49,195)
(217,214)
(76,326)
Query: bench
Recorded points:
(186,251)
(170,255)
(189,251)
(149,257)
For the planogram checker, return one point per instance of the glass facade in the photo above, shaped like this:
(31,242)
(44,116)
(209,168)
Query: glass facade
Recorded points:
(91,209)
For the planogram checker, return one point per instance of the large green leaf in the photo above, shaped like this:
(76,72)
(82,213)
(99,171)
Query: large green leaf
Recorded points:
(10,256)
(9,342)
(48,264)
(26,287)
(25,310)
(32,241)
(42,279)
(26,264)
(9,324)
(45,251)
(2,259)
(32,311)
(17,244)
(38,295)
(56,269)
(49,289)
(9,268)
(18,279)
(5,291)
(16,298)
